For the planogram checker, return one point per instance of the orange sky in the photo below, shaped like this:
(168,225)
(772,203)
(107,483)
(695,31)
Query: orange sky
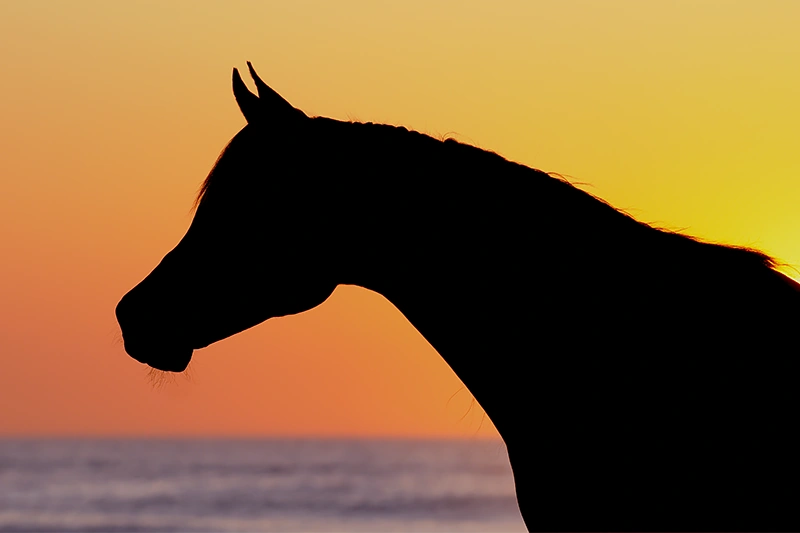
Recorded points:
(685,113)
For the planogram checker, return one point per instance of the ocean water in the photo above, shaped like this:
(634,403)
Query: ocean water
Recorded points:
(256,485)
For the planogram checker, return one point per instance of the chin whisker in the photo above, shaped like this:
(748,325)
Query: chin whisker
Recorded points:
(188,373)
(116,337)
(161,378)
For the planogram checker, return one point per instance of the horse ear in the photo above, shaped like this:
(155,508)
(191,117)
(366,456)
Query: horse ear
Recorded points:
(249,103)
(268,105)
(270,99)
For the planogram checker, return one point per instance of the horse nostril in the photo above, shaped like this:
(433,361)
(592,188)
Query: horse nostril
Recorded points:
(119,311)
(124,312)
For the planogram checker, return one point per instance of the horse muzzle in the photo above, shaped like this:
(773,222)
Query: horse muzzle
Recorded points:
(150,339)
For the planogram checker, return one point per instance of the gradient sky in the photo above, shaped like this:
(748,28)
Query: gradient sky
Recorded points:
(684,113)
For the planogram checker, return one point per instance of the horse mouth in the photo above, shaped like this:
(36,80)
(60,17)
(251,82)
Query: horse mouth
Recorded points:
(166,358)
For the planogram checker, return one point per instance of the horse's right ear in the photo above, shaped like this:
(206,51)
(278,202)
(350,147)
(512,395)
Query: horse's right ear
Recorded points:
(267,106)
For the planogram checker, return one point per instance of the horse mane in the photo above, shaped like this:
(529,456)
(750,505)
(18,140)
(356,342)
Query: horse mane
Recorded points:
(471,156)
(201,192)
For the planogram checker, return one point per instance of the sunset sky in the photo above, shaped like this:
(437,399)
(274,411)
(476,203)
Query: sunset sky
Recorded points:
(684,113)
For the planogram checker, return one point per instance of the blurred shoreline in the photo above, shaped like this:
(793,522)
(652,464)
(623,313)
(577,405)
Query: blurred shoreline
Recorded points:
(255,484)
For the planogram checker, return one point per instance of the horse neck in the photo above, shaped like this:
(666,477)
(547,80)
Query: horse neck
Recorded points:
(428,231)
(396,212)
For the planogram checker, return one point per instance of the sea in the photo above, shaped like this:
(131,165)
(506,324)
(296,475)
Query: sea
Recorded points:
(248,485)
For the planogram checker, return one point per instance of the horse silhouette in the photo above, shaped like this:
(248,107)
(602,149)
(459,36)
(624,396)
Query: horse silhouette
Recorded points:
(641,379)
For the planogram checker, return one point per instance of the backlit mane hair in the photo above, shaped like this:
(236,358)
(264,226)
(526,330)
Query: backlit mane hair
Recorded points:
(467,158)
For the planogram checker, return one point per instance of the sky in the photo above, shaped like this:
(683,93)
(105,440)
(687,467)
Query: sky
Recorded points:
(683,113)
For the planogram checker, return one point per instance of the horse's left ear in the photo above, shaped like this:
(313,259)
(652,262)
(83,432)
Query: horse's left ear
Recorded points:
(267,106)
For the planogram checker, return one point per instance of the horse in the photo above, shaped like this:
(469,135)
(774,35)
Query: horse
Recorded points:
(641,379)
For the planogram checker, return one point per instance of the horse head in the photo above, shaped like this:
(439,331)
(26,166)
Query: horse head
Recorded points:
(255,248)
